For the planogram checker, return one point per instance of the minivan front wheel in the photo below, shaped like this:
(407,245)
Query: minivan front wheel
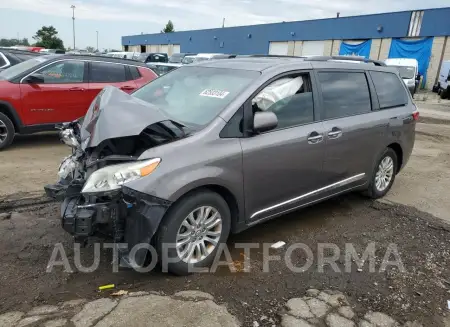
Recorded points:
(384,175)
(192,231)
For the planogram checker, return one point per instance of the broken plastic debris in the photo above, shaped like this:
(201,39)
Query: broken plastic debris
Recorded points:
(119,293)
(106,287)
(278,245)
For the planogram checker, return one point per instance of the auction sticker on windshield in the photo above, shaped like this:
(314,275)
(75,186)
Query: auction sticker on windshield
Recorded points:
(214,93)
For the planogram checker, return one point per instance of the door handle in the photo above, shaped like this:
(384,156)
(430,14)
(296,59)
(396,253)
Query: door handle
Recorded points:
(127,87)
(76,89)
(335,133)
(315,138)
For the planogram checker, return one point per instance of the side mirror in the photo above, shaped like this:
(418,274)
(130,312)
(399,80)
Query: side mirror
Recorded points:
(264,121)
(34,79)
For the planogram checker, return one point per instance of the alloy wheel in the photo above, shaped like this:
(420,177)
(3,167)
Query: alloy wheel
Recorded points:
(199,234)
(384,174)
(3,131)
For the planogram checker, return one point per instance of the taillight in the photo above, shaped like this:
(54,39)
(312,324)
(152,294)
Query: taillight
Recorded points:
(415,115)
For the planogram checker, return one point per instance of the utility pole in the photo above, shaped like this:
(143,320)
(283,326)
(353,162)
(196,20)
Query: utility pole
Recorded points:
(97,41)
(223,23)
(73,24)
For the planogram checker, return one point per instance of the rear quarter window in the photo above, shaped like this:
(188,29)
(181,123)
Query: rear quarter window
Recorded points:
(390,89)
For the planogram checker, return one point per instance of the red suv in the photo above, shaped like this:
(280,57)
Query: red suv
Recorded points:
(37,93)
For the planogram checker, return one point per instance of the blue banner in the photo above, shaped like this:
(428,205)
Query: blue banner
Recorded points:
(360,50)
(419,49)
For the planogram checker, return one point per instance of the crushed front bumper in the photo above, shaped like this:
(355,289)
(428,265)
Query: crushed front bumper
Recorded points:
(96,219)
(131,217)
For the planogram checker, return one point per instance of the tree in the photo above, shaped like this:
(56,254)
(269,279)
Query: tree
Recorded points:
(90,49)
(47,37)
(168,28)
(13,42)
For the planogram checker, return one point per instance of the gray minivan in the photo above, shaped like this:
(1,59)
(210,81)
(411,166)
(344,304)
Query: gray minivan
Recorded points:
(216,147)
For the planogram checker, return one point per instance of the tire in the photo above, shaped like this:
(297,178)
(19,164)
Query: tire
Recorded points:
(374,191)
(444,93)
(7,131)
(439,91)
(172,225)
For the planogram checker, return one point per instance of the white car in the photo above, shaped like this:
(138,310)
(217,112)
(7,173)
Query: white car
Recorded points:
(204,57)
(443,86)
(409,71)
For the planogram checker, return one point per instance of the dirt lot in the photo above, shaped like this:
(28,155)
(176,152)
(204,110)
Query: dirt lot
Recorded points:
(27,239)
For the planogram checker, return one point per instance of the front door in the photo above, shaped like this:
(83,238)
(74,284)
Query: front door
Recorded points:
(61,97)
(283,167)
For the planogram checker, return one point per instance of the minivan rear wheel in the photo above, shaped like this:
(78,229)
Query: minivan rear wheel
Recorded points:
(192,230)
(384,174)
(444,93)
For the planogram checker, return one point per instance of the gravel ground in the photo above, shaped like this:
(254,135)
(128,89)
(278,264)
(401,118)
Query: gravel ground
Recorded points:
(28,236)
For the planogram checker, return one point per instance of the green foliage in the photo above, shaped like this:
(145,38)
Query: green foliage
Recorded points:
(168,28)
(90,49)
(13,42)
(47,37)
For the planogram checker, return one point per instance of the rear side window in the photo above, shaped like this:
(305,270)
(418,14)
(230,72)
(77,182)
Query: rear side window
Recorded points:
(390,90)
(103,72)
(2,60)
(344,94)
(134,72)
(25,56)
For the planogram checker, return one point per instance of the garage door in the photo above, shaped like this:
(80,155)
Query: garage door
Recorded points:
(278,48)
(313,48)
(176,48)
(164,48)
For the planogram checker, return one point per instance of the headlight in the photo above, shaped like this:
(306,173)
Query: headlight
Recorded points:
(69,138)
(113,177)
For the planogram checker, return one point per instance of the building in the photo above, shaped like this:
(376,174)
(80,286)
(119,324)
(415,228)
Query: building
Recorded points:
(421,34)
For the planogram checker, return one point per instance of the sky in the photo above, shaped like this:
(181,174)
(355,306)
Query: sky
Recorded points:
(116,18)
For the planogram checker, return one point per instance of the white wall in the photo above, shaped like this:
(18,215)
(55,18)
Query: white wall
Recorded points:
(278,48)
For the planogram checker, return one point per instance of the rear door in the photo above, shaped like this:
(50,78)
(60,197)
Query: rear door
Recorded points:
(283,167)
(102,74)
(61,97)
(353,135)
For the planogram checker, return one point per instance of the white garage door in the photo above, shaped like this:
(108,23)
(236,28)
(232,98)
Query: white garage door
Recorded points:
(313,48)
(164,48)
(278,48)
(176,48)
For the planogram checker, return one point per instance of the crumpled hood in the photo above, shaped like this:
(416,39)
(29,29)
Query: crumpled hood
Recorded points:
(113,114)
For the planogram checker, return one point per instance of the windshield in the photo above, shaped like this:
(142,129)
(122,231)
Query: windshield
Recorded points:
(406,72)
(188,60)
(195,95)
(15,70)
(176,58)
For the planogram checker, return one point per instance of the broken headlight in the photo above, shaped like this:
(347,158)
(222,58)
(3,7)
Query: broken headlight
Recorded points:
(113,177)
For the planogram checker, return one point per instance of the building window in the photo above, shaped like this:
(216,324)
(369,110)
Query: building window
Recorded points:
(415,23)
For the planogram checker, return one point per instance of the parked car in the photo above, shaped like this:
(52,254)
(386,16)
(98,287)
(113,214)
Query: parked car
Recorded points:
(176,58)
(37,93)
(10,57)
(204,57)
(214,148)
(443,85)
(163,68)
(408,70)
(151,57)
(48,51)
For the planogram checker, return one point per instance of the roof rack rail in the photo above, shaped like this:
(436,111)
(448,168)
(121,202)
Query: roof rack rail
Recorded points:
(267,56)
(345,58)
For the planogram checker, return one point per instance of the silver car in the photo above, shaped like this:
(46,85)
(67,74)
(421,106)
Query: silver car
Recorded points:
(213,148)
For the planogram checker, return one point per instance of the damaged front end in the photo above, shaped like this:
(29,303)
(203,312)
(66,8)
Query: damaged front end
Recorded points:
(116,130)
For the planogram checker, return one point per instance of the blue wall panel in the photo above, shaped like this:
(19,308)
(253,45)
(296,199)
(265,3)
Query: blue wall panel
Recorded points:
(236,39)
(436,22)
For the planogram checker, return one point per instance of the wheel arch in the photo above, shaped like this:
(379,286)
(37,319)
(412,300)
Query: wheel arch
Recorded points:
(7,109)
(230,198)
(399,152)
